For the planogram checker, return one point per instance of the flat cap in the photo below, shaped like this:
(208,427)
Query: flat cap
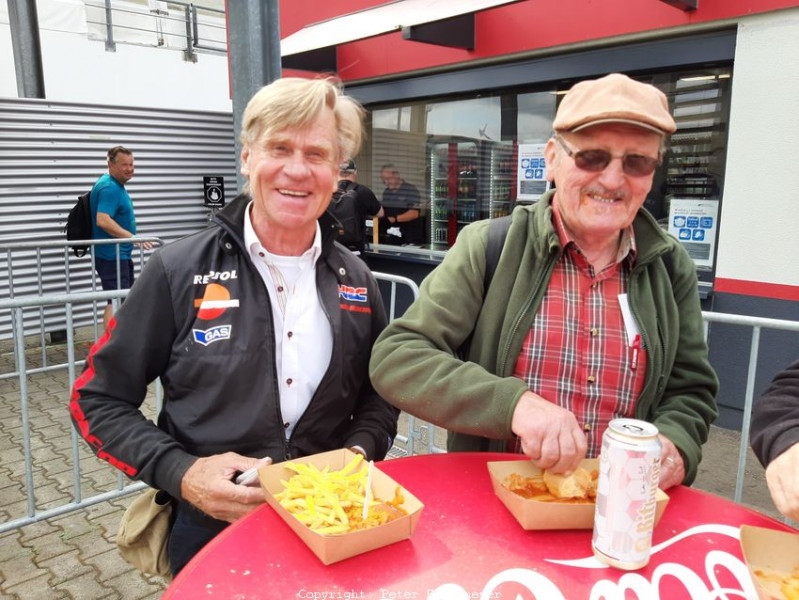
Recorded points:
(614,98)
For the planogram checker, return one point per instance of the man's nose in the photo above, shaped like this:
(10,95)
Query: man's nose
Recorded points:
(296,164)
(612,176)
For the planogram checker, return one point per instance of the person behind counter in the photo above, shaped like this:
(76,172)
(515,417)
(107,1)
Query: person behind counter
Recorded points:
(402,206)
(592,314)
(774,435)
(352,203)
(261,349)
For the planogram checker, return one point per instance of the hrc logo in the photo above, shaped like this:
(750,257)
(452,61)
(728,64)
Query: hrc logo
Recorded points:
(352,294)
(209,336)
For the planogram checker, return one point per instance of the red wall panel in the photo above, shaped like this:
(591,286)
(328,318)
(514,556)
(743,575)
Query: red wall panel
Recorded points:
(516,28)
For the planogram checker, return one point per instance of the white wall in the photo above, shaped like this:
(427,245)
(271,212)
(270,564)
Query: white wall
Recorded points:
(759,237)
(77,68)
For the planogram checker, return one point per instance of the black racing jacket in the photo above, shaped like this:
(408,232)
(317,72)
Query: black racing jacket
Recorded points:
(217,364)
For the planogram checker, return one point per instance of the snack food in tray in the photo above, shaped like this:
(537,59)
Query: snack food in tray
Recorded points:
(772,557)
(330,548)
(534,514)
(579,487)
(331,502)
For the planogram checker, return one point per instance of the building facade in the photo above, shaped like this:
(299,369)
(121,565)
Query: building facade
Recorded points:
(466,125)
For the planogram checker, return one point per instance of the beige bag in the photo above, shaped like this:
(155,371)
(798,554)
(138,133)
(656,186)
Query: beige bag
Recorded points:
(144,532)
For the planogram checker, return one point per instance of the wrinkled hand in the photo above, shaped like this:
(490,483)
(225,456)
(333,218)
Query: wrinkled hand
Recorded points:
(208,485)
(550,434)
(672,467)
(782,477)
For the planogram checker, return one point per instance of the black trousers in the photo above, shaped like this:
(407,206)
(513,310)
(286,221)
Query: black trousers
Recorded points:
(191,530)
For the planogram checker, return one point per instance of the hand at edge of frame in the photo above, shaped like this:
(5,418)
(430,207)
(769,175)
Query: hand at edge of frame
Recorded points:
(782,477)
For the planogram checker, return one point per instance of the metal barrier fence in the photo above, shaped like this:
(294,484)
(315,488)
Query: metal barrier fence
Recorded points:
(29,268)
(420,438)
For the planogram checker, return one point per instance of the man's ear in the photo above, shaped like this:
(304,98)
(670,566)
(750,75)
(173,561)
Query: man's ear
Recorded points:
(550,155)
(245,155)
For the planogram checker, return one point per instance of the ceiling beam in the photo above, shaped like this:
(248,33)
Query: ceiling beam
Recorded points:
(685,5)
(455,32)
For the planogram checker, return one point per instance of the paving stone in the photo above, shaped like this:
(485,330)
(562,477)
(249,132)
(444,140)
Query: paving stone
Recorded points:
(65,566)
(37,588)
(34,531)
(136,586)
(108,563)
(47,547)
(83,586)
(20,568)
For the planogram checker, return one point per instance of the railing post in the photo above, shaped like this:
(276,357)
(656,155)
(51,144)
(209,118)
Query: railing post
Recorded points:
(747,416)
(19,351)
(189,55)
(110,46)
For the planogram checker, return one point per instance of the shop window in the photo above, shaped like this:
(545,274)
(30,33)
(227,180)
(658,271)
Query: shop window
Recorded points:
(475,158)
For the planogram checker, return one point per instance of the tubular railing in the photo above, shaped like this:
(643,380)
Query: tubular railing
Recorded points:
(165,24)
(23,259)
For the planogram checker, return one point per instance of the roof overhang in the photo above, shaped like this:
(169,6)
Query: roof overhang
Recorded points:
(683,4)
(440,22)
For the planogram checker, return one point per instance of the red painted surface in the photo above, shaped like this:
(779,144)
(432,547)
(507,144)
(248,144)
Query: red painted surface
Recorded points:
(467,538)
(757,289)
(507,30)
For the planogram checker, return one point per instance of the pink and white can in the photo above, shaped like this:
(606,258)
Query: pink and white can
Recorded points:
(629,470)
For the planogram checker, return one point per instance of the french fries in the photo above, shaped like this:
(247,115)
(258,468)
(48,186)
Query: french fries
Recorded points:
(331,502)
(789,584)
(535,488)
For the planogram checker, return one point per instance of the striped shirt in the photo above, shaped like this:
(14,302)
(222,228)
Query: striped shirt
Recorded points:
(576,353)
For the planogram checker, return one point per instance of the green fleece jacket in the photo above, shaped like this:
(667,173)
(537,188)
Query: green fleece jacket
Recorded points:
(415,363)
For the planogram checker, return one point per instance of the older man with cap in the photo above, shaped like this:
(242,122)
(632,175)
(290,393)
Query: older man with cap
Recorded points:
(592,312)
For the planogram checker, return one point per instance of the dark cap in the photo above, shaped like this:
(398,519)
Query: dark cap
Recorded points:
(348,165)
(614,98)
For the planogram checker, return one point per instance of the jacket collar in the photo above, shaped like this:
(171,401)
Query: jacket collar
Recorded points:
(231,220)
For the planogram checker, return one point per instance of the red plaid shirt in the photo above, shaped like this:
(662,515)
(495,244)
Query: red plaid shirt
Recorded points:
(576,353)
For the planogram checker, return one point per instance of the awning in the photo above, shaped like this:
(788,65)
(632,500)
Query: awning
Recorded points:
(405,15)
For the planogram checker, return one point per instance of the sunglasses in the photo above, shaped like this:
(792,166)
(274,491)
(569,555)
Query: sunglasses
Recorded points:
(594,161)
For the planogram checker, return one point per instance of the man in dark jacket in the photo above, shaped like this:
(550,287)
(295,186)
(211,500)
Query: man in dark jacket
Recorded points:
(259,328)
(775,439)
(352,203)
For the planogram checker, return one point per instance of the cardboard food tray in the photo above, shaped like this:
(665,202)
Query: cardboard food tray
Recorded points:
(533,514)
(333,548)
(772,552)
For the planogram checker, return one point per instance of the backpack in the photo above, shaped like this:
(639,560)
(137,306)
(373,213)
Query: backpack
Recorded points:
(80,223)
(343,207)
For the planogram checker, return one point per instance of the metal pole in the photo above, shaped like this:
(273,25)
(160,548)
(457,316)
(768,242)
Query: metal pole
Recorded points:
(254,56)
(24,22)
(110,45)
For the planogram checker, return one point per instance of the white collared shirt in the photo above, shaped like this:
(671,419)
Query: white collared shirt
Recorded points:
(303,336)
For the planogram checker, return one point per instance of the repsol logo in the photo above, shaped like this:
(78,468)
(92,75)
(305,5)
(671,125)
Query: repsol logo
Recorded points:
(214,276)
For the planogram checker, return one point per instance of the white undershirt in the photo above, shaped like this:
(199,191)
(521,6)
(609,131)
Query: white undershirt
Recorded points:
(303,337)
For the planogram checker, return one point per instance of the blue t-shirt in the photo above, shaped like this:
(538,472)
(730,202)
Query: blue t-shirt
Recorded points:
(110,197)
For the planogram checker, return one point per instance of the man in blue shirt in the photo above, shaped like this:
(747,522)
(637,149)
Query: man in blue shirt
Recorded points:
(112,210)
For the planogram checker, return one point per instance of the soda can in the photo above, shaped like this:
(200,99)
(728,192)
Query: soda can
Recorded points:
(629,470)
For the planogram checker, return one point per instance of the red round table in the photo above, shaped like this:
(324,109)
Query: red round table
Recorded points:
(468,545)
